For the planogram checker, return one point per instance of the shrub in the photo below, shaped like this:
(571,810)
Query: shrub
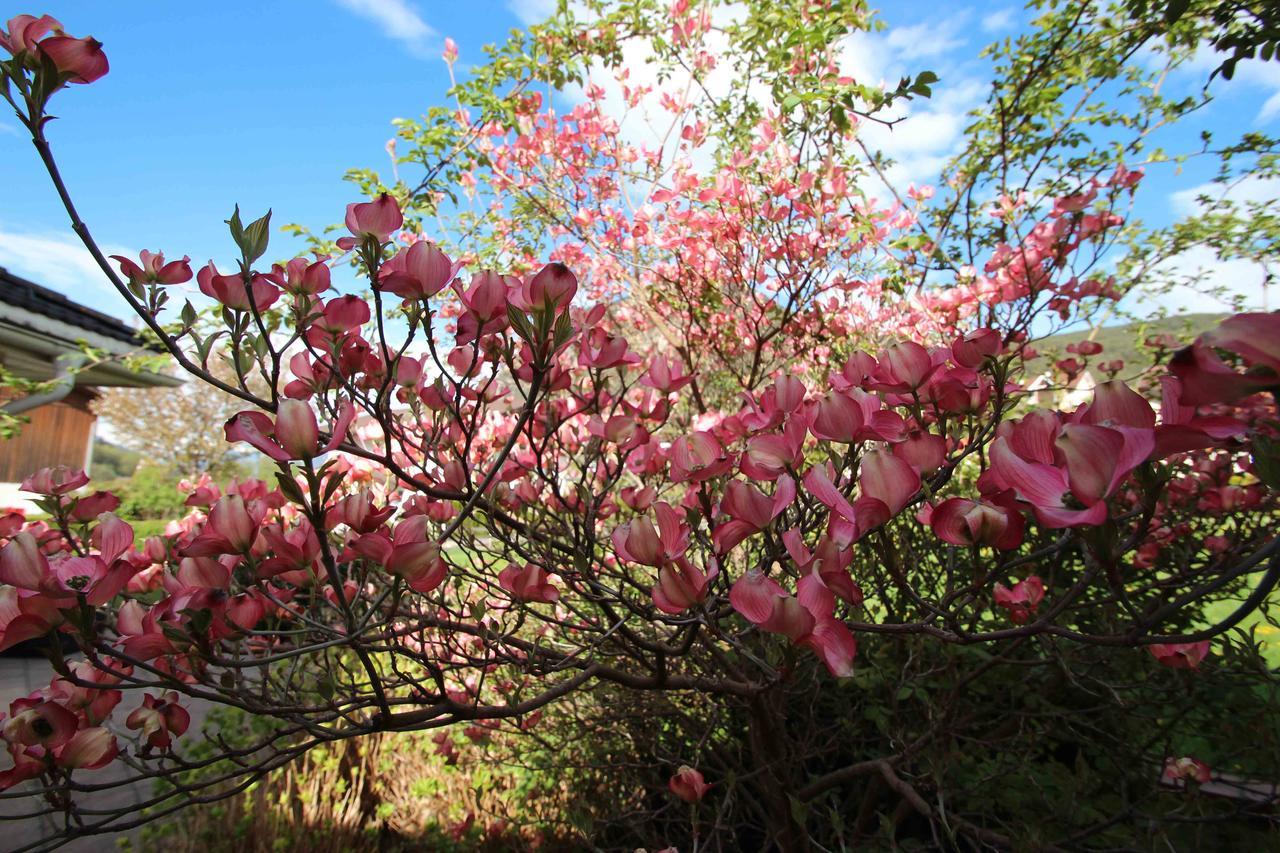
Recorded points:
(754,534)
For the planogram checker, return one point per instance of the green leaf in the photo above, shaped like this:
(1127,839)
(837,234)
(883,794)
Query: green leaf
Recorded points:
(1175,10)
(236,226)
(1266,461)
(251,239)
(290,488)
(564,328)
(799,809)
(520,322)
(257,235)
(839,118)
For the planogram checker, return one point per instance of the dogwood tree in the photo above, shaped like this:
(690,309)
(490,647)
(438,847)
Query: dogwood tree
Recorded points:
(719,431)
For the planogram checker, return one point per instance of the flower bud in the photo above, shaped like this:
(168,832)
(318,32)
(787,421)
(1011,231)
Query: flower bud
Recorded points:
(688,784)
(82,58)
(296,429)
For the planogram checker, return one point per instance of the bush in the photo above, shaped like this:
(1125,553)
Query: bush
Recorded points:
(755,534)
(112,462)
(151,494)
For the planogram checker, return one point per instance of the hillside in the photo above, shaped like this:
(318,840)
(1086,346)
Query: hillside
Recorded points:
(1123,340)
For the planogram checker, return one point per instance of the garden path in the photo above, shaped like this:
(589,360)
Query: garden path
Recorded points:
(19,676)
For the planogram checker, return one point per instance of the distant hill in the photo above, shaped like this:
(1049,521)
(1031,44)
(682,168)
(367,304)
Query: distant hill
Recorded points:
(1123,341)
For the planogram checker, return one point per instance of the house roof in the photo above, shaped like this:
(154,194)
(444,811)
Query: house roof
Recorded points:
(29,296)
(38,324)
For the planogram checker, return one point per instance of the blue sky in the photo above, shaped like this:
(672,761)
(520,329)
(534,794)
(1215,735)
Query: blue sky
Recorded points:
(266,105)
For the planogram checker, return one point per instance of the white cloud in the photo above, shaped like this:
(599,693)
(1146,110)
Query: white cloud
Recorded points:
(1213,284)
(59,262)
(398,20)
(1216,285)
(649,123)
(924,40)
(9,129)
(532,11)
(998,21)
(1249,74)
(932,129)
(1271,109)
(1186,202)
(1259,75)
(920,145)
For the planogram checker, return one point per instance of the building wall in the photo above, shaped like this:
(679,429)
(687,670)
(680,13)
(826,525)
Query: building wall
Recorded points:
(56,434)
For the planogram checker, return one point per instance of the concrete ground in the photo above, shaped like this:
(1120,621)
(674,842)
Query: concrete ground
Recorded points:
(19,676)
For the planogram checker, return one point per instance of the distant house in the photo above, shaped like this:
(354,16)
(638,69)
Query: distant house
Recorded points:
(1047,392)
(39,330)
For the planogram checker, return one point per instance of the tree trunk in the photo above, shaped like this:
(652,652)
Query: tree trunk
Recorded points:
(776,780)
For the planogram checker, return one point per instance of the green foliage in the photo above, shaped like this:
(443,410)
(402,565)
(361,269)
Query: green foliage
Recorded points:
(112,462)
(1124,341)
(587,37)
(1231,221)
(386,793)
(1244,30)
(151,493)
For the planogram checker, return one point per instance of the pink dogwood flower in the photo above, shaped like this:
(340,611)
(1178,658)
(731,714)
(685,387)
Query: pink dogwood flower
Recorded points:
(408,552)
(665,375)
(23,32)
(849,521)
(699,457)
(96,703)
(750,510)
(153,269)
(1206,378)
(771,455)
(302,277)
(373,220)
(688,784)
(1180,655)
(638,541)
(1022,600)
(852,416)
(418,272)
(25,615)
(549,289)
(87,749)
(680,586)
(34,721)
(24,566)
(807,619)
(1185,769)
(974,348)
(294,434)
(530,583)
(160,718)
(828,560)
(994,521)
(81,58)
(230,290)
(231,528)
(601,350)
(358,512)
(141,631)
(902,367)
(1182,428)
(1067,472)
(55,481)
